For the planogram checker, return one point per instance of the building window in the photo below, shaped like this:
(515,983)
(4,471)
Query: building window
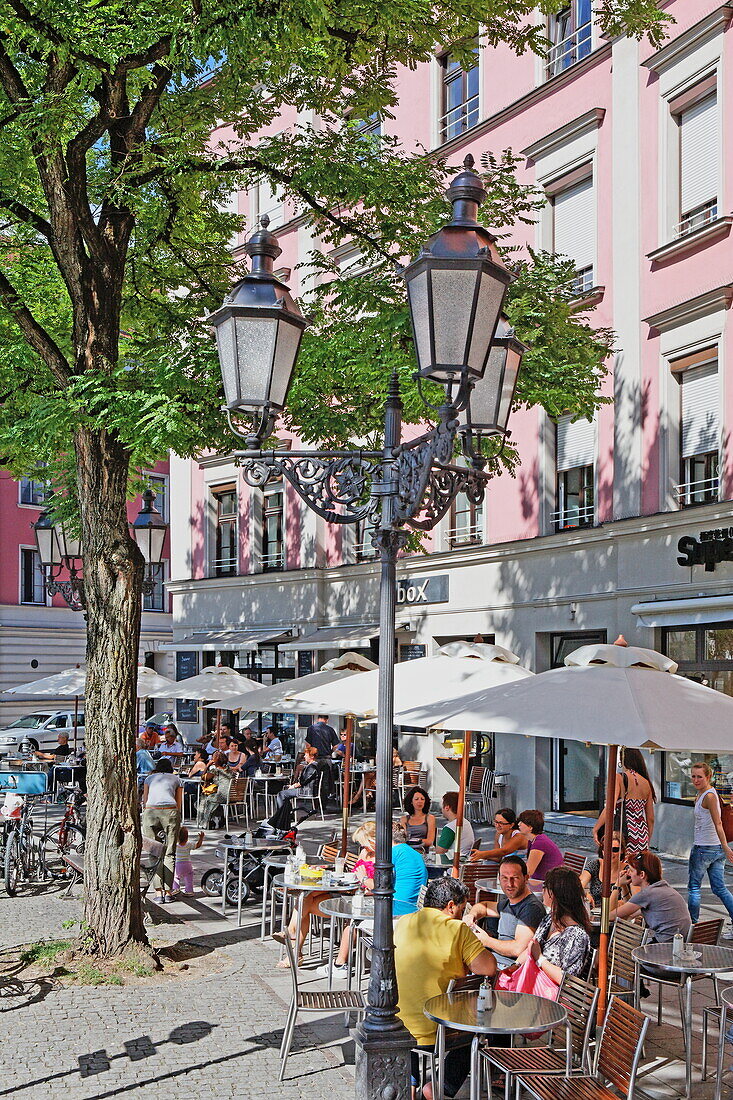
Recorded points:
(370,127)
(156,600)
(270,202)
(159,484)
(699,419)
(570,34)
(575,465)
(273,526)
(696,116)
(574,230)
(225,559)
(364,550)
(32,584)
(34,492)
(704,654)
(459,109)
(466,522)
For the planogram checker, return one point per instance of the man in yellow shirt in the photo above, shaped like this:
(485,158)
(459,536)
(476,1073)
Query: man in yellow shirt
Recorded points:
(431,947)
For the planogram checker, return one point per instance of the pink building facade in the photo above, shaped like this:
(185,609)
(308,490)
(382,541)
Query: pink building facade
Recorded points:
(619,525)
(40,635)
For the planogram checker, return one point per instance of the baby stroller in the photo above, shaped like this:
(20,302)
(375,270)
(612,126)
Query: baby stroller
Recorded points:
(253,875)
(151,862)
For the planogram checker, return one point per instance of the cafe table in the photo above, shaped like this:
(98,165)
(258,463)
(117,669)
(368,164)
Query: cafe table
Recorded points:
(709,961)
(300,889)
(256,848)
(726,1015)
(343,908)
(265,779)
(511,1014)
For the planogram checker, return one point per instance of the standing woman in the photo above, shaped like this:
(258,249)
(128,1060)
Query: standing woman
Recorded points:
(418,822)
(710,848)
(162,803)
(635,796)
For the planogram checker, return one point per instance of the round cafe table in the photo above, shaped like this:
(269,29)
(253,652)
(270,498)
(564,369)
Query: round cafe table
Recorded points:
(342,908)
(710,960)
(511,1014)
(256,848)
(300,889)
(726,1012)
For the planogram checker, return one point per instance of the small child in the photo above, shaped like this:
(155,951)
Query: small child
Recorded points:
(183,875)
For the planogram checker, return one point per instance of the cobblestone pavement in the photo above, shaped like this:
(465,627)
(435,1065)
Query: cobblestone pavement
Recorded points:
(216,1034)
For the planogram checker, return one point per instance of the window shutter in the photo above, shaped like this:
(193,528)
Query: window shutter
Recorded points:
(699,154)
(700,400)
(576,443)
(575,223)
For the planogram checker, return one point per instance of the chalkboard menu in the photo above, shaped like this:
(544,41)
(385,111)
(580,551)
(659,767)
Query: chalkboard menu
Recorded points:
(305,667)
(187,710)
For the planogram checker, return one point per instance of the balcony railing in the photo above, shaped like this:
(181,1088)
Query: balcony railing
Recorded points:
(472,535)
(271,563)
(223,567)
(568,52)
(702,491)
(566,518)
(698,218)
(459,118)
(364,551)
(582,283)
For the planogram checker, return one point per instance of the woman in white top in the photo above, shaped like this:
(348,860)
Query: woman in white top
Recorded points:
(162,802)
(507,838)
(710,848)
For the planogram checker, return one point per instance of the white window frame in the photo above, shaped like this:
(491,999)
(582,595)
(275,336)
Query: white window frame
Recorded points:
(152,477)
(211,489)
(35,481)
(436,94)
(46,601)
(550,60)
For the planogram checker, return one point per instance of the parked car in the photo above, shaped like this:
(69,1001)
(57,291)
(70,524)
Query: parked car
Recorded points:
(41,729)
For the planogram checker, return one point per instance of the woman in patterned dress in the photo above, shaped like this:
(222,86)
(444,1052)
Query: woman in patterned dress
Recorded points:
(634,796)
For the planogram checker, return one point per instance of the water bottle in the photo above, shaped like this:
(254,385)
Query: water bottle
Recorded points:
(678,946)
(300,854)
(339,866)
(248,839)
(358,904)
(485,1000)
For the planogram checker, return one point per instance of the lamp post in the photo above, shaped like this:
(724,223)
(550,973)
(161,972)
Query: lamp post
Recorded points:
(59,551)
(455,288)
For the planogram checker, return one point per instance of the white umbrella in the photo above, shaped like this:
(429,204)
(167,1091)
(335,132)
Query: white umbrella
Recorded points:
(444,679)
(214,682)
(151,685)
(278,698)
(72,684)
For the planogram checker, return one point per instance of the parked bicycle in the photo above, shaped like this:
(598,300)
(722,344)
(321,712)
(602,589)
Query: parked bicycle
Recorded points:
(65,838)
(20,862)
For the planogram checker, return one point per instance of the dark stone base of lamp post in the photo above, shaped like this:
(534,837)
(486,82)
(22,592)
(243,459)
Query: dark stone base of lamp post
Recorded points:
(382,1063)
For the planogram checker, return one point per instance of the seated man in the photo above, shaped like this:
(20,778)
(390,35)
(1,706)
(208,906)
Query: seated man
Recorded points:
(144,762)
(432,946)
(151,735)
(172,745)
(60,752)
(447,839)
(273,745)
(520,913)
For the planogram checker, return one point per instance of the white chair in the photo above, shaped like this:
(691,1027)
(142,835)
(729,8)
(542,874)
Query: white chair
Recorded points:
(316,799)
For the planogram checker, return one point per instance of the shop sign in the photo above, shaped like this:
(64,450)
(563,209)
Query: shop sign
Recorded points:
(418,590)
(413,652)
(709,549)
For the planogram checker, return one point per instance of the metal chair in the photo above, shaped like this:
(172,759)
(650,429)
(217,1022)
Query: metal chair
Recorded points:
(575,861)
(617,1062)
(316,799)
(579,998)
(346,1001)
(479,793)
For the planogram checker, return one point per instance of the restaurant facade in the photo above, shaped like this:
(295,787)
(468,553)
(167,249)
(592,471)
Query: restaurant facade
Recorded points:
(619,524)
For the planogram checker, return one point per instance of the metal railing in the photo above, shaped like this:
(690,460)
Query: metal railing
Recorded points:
(702,491)
(698,218)
(364,551)
(568,52)
(582,283)
(565,518)
(223,567)
(470,535)
(271,563)
(459,118)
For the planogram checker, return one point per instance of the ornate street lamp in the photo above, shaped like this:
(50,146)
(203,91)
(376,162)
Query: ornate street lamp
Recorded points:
(59,551)
(455,288)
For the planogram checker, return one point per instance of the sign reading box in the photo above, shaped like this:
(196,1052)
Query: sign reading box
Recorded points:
(420,590)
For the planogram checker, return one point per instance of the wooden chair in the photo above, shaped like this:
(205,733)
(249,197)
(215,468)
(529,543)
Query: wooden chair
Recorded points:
(626,936)
(236,800)
(579,998)
(575,861)
(617,1062)
(471,872)
(479,793)
(346,1001)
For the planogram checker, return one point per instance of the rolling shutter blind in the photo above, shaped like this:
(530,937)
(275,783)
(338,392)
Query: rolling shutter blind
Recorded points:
(576,443)
(575,223)
(700,399)
(699,154)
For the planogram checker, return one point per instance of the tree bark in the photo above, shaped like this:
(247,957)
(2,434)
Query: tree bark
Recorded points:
(113,570)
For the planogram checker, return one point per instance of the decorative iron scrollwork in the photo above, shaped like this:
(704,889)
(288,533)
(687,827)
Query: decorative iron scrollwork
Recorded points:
(336,486)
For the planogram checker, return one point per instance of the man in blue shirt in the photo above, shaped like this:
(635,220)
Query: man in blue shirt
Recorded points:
(410,872)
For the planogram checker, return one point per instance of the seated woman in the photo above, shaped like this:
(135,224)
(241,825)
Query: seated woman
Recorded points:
(198,768)
(236,759)
(418,822)
(664,910)
(543,854)
(508,838)
(561,944)
(305,782)
(217,777)
(369,782)
(591,877)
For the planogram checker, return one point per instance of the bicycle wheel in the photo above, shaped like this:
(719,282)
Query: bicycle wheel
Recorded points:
(55,845)
(13,864)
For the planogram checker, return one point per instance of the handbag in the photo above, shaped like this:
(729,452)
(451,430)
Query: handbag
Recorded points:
(211,788)
(726,818)
(528,978)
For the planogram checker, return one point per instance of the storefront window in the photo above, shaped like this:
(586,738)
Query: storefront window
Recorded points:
(704,654)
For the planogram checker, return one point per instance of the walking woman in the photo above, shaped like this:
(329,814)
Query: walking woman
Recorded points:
(162,802)
(710,849)
(635,797)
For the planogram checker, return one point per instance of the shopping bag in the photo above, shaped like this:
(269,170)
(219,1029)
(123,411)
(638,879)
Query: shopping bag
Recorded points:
(528,978)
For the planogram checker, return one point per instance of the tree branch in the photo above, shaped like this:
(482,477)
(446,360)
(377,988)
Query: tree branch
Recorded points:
(11,79)
(27,216)
(35,334)
(41,27)
(155,52)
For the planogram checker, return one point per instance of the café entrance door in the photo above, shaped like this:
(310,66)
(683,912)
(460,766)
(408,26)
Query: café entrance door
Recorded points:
(579,768)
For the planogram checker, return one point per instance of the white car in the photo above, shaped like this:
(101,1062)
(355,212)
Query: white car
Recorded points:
(41,729)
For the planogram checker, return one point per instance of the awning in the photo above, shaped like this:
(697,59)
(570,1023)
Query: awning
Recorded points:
(208,640)
(339,637)
(686,612)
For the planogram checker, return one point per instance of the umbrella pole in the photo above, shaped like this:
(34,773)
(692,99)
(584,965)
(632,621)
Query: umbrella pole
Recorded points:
(606,883)
(462,782)
(76,721)
(346,791)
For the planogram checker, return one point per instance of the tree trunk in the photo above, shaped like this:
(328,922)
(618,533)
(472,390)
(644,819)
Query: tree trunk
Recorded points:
(113,570)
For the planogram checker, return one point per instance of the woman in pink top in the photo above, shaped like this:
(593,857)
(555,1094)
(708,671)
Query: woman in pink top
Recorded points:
(366,837)
(542,853)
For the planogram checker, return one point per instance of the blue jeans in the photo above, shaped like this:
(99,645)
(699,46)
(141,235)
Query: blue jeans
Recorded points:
(710,858)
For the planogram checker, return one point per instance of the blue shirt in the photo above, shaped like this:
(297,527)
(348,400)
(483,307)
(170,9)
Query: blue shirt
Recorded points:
(410,873)
(145,762)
